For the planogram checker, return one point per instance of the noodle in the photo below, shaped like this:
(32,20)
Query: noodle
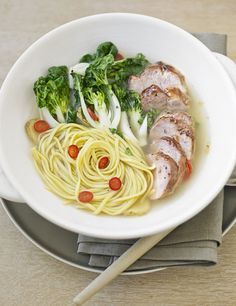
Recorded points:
(67,177)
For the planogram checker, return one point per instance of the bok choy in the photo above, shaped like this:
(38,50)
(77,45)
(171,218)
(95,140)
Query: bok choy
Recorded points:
(53,93)
(95,93)
(103,49)
(132,114)
(98,92)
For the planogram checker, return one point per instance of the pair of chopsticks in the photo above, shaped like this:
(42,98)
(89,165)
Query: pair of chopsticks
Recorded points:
(138,249)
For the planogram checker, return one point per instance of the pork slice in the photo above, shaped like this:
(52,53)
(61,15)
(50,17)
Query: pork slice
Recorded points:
(170,147)
(170,99)
(135,83)
(179,116)
(165,175)
(160,74)
(172,127)
(153,97)
(186,140)
(177,100)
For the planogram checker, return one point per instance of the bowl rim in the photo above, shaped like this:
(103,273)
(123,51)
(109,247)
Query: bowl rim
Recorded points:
(169,223)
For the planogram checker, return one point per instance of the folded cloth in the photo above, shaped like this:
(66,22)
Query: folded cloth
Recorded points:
(193,243)
(232,179)
(215,42)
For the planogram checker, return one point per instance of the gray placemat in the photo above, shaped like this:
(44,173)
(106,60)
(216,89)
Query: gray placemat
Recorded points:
(193,243)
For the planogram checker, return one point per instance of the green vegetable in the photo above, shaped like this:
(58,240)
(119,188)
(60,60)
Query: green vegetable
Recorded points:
(123,69)
(101,82)
(135,113)
(52,91)
(121,92)
(115,131)
(120,70)
(103,49)
(107,100)
(96,73)
(152,114)
(73,107)
(79,97)
(124,125)
(87,58)
(98,100)
(100,93)
(106,48)
(131,105)
(93,89)
(128,151)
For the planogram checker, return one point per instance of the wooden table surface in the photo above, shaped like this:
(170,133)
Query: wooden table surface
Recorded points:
(30,277)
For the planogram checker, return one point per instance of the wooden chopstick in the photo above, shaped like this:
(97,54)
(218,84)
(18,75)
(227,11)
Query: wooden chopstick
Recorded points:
(139,248)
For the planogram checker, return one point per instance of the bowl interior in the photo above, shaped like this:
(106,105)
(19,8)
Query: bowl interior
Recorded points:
(158,40)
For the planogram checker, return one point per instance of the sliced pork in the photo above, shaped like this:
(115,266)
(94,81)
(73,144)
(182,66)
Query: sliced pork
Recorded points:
(169,146)
(161,86)
(170,98)
(160,74)
(184,116)
(177,100)
(154,97)
(165,174)
(175,125)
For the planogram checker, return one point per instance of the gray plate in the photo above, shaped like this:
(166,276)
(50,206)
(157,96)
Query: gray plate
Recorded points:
(62,244)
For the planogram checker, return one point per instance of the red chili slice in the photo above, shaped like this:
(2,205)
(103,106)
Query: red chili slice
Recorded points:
(103,162)
(92,114)
(41,126)
(115,183)
(85,196)
(188,170)
(119,57)
(73,151)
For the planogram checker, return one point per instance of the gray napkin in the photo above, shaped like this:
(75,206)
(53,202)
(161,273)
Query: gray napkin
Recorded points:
(232,179)
(193,243)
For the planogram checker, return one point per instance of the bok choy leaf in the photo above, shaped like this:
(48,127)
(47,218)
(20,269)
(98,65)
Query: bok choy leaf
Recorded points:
(52,91)
(103,49)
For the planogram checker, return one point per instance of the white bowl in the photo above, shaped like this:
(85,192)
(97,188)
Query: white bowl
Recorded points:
(158,40)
